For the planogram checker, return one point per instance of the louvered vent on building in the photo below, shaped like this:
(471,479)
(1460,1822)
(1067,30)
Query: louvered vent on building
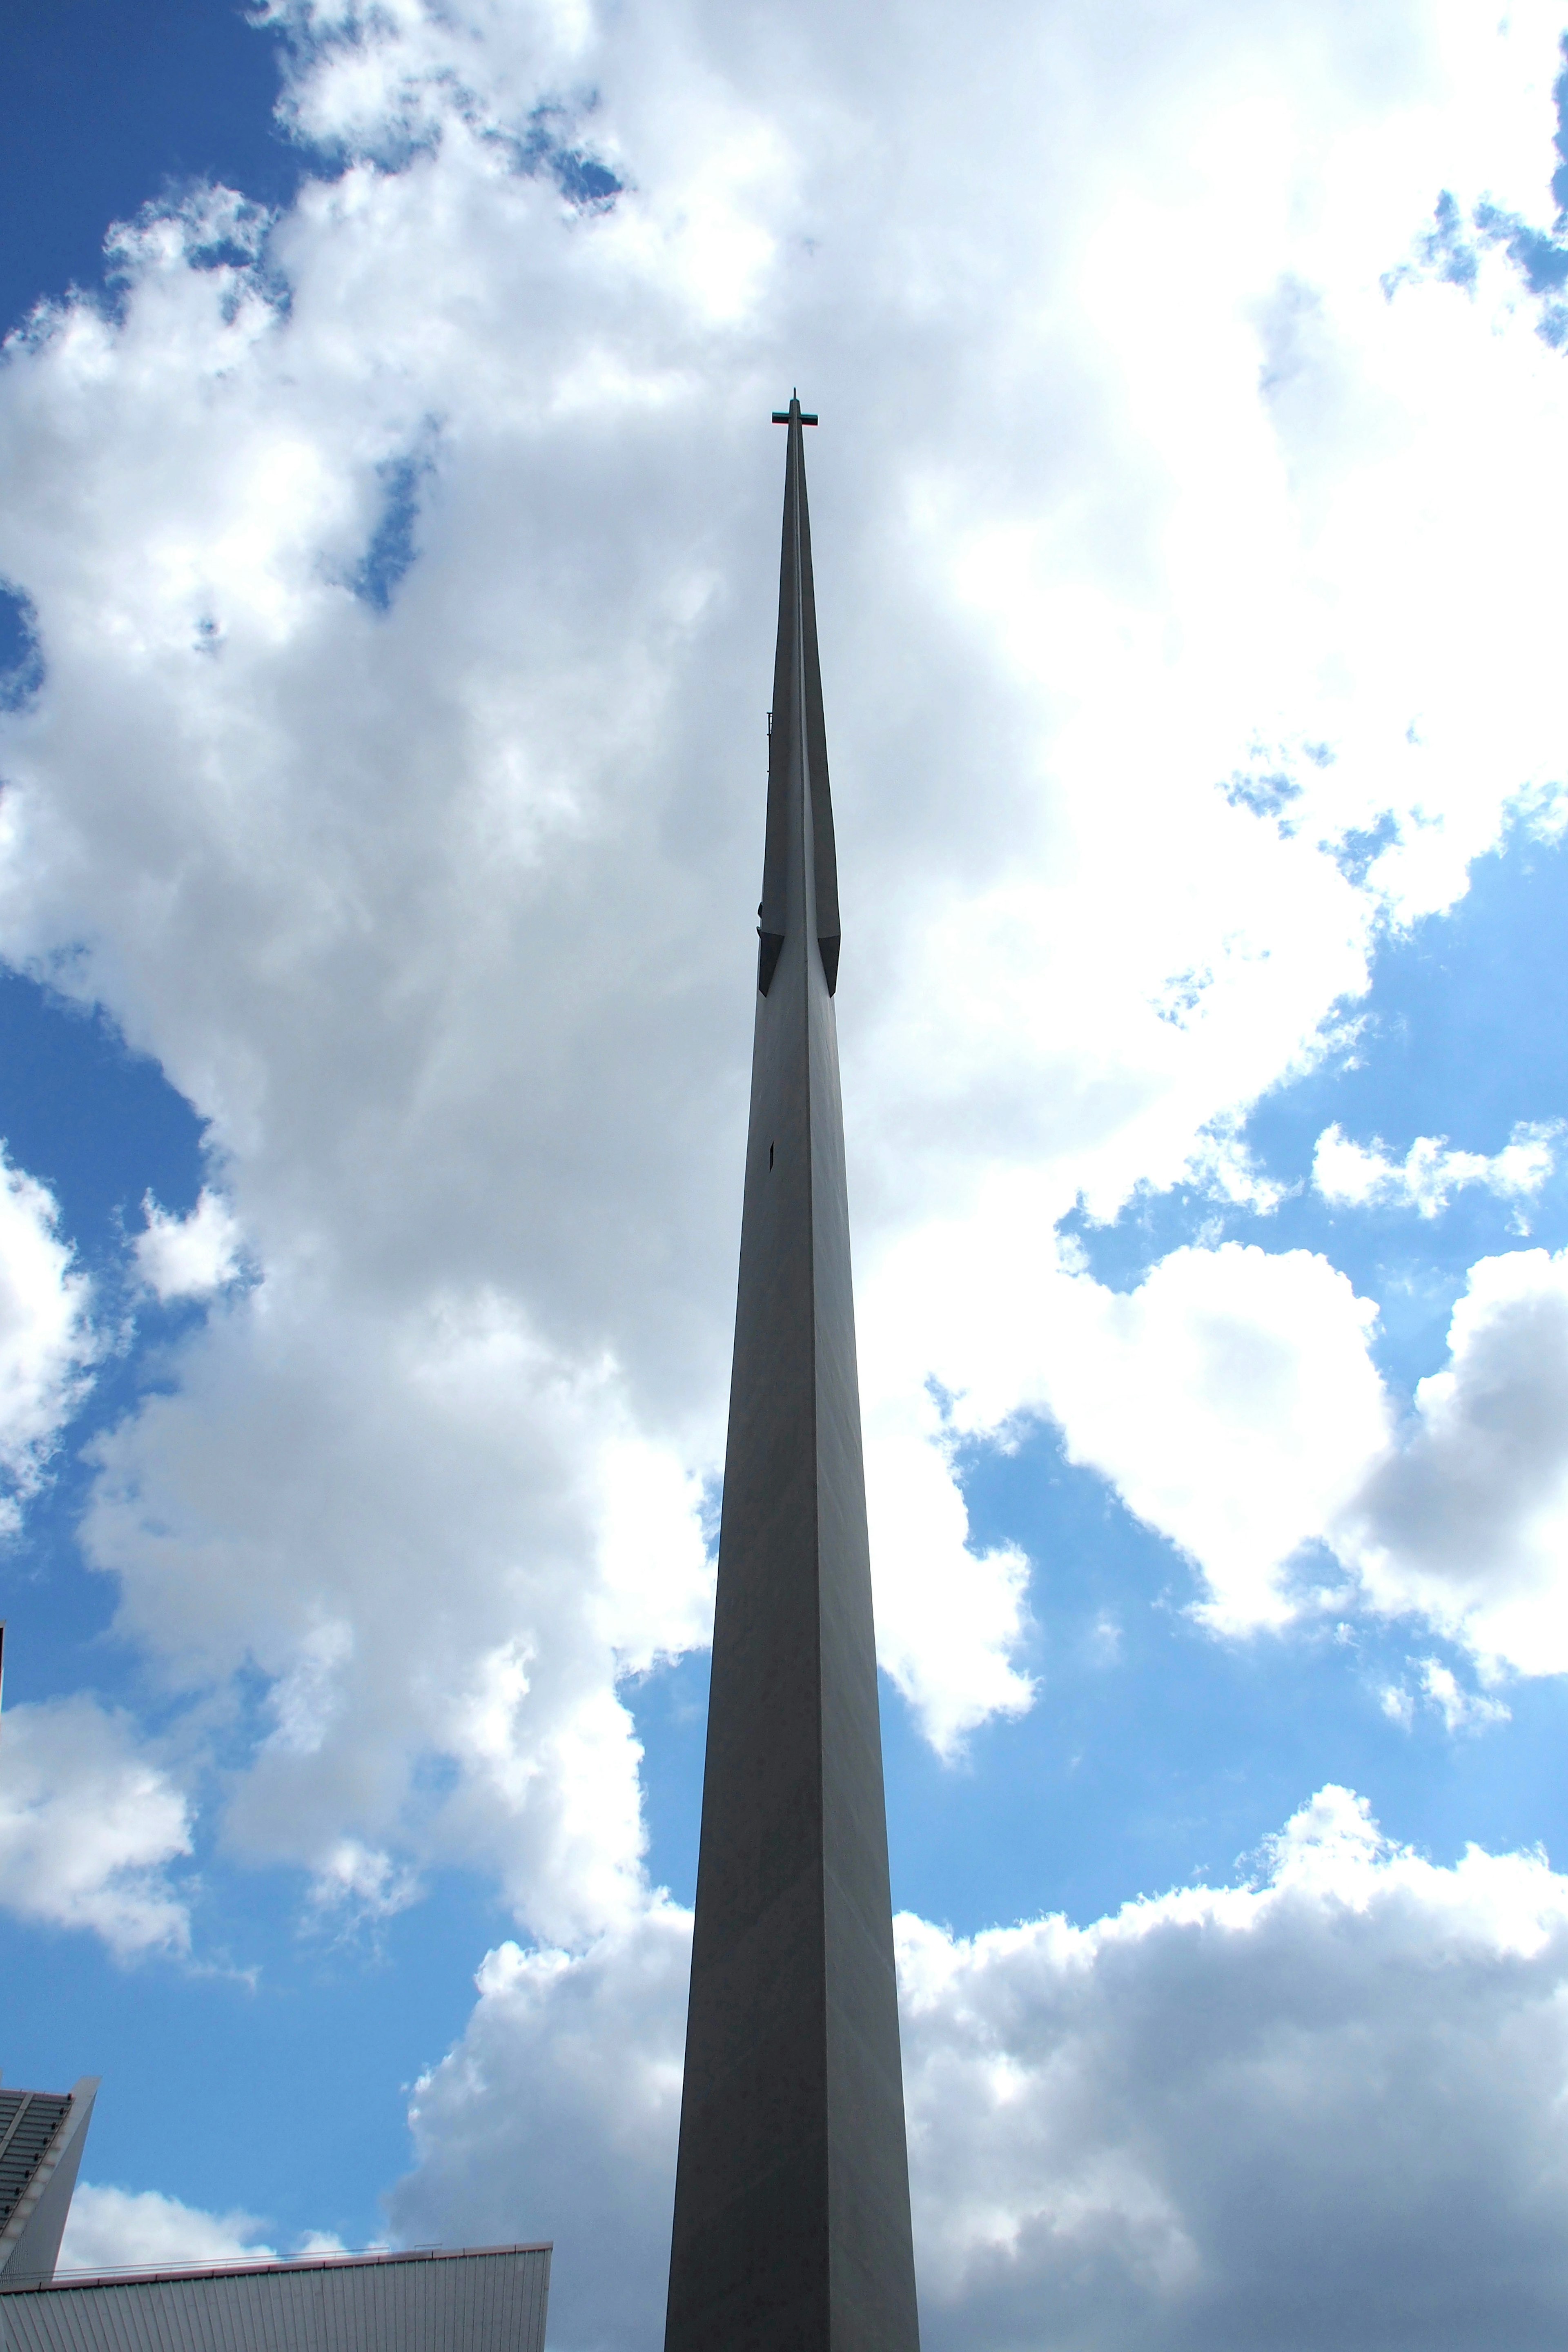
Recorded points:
(28,2121)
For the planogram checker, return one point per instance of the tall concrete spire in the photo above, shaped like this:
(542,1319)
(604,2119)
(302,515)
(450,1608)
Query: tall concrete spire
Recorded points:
(792,2201)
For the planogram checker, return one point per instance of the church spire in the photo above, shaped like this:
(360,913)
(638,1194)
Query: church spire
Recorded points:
(797,740)
(792,2209)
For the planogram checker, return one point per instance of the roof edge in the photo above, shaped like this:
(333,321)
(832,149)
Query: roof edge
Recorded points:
(68,2282)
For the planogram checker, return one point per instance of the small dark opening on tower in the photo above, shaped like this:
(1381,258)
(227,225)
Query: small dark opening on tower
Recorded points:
(770,1155)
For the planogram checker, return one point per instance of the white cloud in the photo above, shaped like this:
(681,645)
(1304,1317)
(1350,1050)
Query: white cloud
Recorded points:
(1398,1702)
(1354,1175)
(419,1528)
(1233,1401)
(361,1885)
(1139,2132)
(1153,2127)
(1461,1709)
(123,2228)
(1161,557)
(190,1256)
(112,2229)
(47,1340)
(1231,1397)
(1464,1522)
(88,1827)
(949,1617)
(556,2117)
(439,914)
(655,1580)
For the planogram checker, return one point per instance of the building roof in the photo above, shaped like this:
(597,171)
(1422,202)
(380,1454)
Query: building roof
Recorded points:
(468,2299)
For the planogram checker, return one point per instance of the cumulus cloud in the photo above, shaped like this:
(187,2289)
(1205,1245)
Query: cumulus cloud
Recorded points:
(47,1340)
(1143,2132)
(1231,1397)
(950,1616)
(1191,612)
(656,1581)
(1323,2104)
(89,1825)
(1233,1400)
(556,2117)
(120,2228)
(402,582)
(433,1504)
(1464,1522)
(1356,1175)
(191,1257)
(112,2229)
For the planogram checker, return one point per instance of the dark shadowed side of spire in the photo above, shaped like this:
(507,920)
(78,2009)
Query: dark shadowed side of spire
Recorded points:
(791,2208)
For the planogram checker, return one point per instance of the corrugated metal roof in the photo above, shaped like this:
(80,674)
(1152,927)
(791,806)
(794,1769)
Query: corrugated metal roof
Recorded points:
(486,2299)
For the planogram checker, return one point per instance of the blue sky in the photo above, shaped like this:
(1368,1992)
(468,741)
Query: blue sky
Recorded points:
(384,631)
